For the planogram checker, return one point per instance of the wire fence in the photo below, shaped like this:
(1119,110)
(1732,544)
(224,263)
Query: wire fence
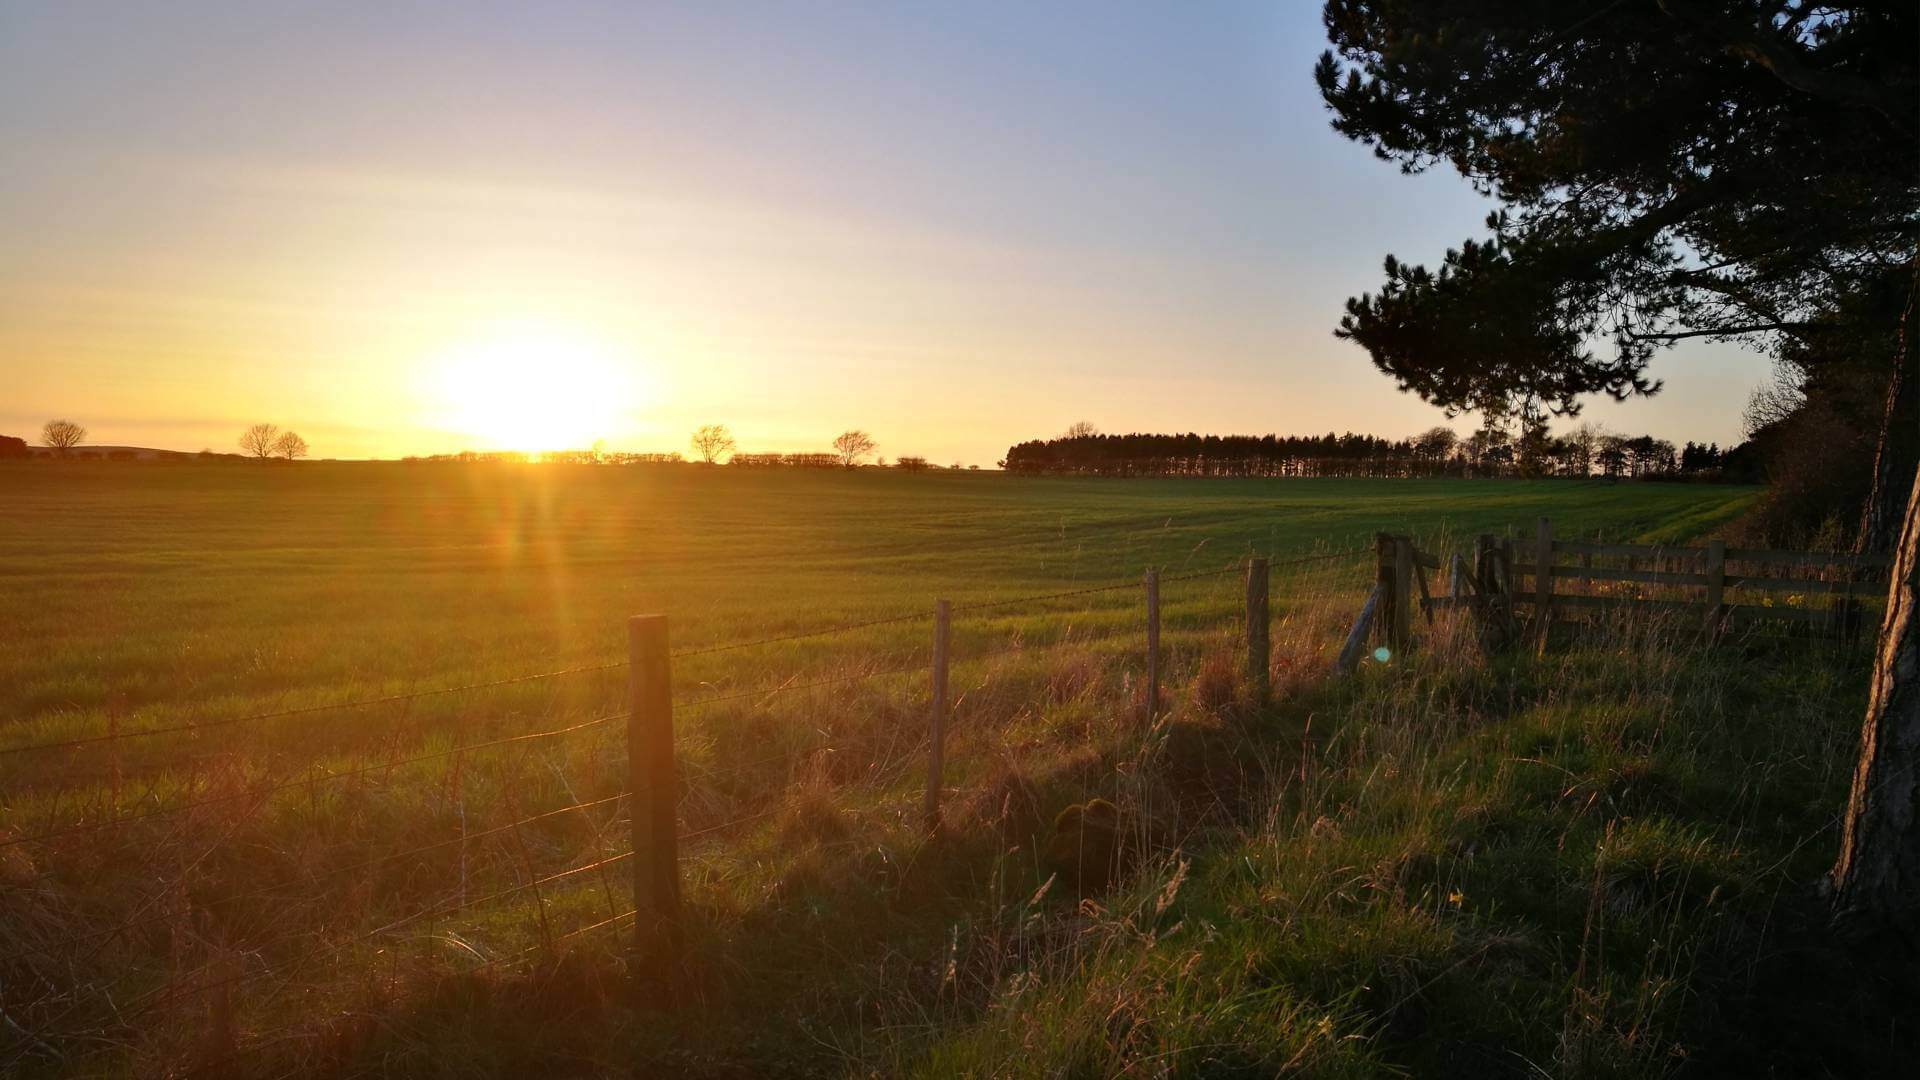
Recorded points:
(205,924)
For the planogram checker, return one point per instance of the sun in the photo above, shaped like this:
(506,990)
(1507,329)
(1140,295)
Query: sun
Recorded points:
(533,389)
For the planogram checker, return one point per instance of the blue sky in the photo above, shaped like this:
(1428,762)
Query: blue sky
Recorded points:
(955,225)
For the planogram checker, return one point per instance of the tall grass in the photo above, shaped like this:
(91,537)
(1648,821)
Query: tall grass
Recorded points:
(1453,863)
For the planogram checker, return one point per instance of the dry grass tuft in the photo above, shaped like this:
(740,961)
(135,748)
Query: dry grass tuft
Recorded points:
(1073,676)
(1006,805)
(1216,688)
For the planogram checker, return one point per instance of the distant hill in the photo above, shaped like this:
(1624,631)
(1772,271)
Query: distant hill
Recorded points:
(14,447)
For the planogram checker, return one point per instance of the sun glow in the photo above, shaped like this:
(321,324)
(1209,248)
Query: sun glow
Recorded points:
(534,389)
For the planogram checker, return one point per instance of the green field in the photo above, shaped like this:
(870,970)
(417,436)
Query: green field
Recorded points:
(203,591)
(1396,871)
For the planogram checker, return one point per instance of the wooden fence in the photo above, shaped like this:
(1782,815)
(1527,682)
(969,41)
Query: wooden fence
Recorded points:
(654,774)
(1828,592)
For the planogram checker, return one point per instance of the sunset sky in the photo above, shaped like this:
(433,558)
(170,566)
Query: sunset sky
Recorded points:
(412,227)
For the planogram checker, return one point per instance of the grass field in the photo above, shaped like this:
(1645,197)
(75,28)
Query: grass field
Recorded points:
(1456,864)
(208,590)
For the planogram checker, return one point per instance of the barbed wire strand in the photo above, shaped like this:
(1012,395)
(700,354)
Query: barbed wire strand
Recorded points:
(141,1006)
(357,703)
(687,706)
(269,890)
(164,811)
(843,628)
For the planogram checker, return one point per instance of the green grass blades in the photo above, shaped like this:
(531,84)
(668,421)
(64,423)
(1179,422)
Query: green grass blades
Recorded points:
(1454,863)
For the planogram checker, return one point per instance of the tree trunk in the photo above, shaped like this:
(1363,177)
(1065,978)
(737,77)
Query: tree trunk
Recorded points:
(1877,878)
(1899,451)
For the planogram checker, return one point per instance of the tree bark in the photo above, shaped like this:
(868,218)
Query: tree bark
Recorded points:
(1876,880)
(1899,450)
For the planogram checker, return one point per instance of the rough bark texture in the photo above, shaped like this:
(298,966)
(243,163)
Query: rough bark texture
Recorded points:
(1877,878)
(1899,451)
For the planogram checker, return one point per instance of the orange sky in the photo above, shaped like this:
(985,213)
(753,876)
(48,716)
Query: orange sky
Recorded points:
(427,230)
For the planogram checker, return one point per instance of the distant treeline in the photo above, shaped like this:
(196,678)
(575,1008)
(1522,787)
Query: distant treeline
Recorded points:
(13,447)
(562,457)
(788,461)
(1436,453)
(910,463)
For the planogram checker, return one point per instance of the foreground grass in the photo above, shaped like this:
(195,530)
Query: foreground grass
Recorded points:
(1593,863)
(1584,863)
(1569,866)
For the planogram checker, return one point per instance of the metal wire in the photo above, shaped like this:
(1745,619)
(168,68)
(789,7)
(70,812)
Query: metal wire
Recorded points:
(783,688)
(164,811)
(843,628)
(359,703)
(174,994)
(269,890)
(755,816)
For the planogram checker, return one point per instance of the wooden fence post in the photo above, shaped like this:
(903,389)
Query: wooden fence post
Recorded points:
(1402,592)
(1840,604)
(1716,583)
(1385,580)
(1259,651)
(652,804)
(1456,576)
(1543,577)
(937,715)
(1357,637)
(1483,571)
(1153,644)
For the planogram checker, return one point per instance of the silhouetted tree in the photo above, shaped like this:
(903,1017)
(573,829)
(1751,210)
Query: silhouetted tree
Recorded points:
(13,446)
(1686,168)
(1436,444)
(258,440)
(1080,429)
(62,435)
(1585,443)
(289,446)
(712,442)
(853,446)
(913,463)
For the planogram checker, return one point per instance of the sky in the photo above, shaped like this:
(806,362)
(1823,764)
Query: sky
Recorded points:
(409,228)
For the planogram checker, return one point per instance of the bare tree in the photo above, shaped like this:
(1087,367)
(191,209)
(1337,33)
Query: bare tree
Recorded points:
(1081,429)
(289,446)
(62,435)
(1585,445)
(854,445)
(1773,402)
(1436,443)
(258,440)
(712,442)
